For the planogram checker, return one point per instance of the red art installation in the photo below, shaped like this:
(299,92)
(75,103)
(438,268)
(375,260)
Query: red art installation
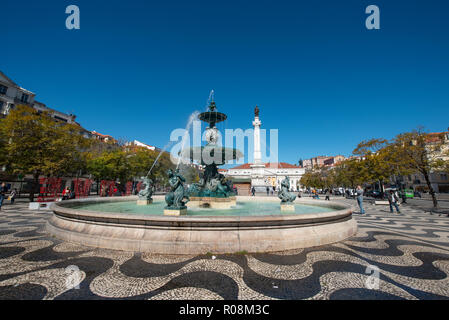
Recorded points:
(129,188)
(50,189)
(82,188)
(107,188)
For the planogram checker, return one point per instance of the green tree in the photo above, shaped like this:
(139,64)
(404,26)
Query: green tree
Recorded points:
(127,164)
(415,152)
(39,145)
(377,161)
(141,160)
(315,178)
(110,165)
(159,172)
(351,172)
(2,148)
(189,173)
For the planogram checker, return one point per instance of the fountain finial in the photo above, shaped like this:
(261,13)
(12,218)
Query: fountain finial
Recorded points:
(212,106)
(256,111)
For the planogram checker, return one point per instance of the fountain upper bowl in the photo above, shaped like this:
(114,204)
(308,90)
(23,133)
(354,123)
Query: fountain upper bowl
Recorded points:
(211,154)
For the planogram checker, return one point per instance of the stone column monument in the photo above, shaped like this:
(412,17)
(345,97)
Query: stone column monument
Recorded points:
(258,167)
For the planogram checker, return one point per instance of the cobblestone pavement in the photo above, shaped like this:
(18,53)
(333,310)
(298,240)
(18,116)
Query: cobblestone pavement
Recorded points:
(410,249)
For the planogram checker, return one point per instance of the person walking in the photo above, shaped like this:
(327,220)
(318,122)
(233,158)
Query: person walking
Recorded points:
(359,192)
(12,195)
(403,196)
(393,199)
(253,191)
(268,191)
(327,195)
(3,190)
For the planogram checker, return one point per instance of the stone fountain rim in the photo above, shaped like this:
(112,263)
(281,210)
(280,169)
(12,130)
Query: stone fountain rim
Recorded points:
(344,212)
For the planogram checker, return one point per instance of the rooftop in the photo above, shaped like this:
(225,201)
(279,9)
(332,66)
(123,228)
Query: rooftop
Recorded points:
(100,135)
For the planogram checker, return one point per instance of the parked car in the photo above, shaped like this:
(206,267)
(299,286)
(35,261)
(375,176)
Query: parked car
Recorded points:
(350,193)
(409,193)
(336,192)
(374,194)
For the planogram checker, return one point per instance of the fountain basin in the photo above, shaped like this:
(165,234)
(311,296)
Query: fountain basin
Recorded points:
(201,234)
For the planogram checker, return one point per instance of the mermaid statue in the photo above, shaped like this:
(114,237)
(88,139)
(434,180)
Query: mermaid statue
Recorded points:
(284,194)
(177,197)
(147,191)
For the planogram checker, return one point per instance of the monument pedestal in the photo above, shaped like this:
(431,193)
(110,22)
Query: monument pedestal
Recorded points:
(287,207)
(144,202)
(175,212)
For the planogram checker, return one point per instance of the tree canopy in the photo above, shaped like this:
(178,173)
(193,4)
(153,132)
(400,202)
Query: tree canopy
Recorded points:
(39,145)
(416,152)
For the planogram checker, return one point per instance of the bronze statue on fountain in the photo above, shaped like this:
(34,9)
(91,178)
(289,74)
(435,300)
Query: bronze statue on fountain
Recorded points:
(177,198)
(145,194)
(287,198)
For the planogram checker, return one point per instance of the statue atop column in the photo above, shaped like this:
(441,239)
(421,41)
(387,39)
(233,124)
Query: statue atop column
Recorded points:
(256,111)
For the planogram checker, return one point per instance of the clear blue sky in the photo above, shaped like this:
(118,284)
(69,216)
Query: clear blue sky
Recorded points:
(137,69)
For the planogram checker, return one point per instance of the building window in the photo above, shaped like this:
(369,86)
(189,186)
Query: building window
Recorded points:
(61,119)
(24,98)
(3,89)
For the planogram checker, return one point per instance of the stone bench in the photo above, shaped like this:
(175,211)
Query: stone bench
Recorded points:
(381,202)
(46,206)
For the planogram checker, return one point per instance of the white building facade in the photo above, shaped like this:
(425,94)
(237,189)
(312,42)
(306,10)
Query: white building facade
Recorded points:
(12,94)
(272,173)
(262,175)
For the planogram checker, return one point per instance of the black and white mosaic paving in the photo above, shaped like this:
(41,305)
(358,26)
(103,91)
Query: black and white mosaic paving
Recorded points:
(410,250)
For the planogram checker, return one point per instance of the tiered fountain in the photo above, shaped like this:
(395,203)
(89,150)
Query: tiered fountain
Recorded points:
(213,190)
(213,222)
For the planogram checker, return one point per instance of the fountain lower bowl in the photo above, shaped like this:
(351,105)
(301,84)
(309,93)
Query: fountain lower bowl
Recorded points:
(200,234)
